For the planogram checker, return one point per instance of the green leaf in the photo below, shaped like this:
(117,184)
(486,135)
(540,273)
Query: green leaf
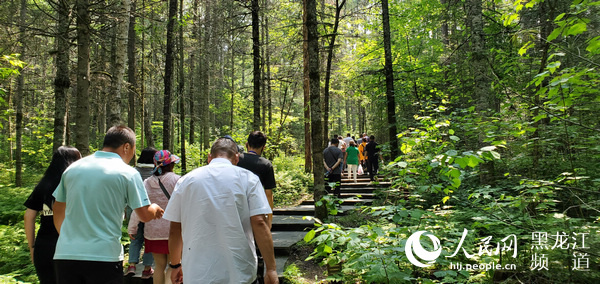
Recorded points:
(554,34)
(454,173)
(553,66)
(474,161)
(451,132)
(525,47)
(451,153)
(327,249)
(454,138)
(559,17)
(594,45)
(578,28)
(309,236)
(402,164)
(463,162)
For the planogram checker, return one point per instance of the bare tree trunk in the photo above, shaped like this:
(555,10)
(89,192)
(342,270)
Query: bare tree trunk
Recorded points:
(82,116)
(195,70)
(181,93)
(205,96)
(389,80)
(479,66)
(547,14)
(169,74)
(315,103)
(263,84)
(445,34)
(268,78)
(19,100)
(256,67)
(118,66)
(131,69)
(146,120)
(306,88)
(62,81)
(338,9)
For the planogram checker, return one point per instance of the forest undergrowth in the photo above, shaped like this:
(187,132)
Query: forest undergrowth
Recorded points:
(516,229)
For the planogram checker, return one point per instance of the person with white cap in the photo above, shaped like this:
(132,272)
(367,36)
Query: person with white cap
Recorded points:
(159,186)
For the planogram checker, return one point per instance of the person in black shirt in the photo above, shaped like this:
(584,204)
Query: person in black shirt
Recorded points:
(372,153)
(41,200)
(332,161)
(252,161)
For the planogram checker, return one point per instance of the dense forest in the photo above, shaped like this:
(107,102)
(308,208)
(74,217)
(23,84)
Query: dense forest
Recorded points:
(487,112)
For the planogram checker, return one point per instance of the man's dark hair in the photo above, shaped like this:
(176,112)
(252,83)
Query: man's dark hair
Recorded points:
(348,135)
(257,139)
(117,136)
(334,141)
(224,147)
(147,156)
(372,137)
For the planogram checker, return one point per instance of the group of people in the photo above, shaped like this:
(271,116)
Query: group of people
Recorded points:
(214,228)
(343,153)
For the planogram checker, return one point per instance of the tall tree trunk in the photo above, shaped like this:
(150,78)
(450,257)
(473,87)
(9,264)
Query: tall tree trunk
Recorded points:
(19,100)
(338,10)
(82,116)
(181,92)
(547,15)
(62,81)
(204,67)
(195,70)
(389,80)
(263,85)
(256,66)
(445,33)
(169,74)
(268,78)
(131,69)
(118,66)
(480,72)
(147,119)
(315,103)
(193,87)
(306,90)
(232,87)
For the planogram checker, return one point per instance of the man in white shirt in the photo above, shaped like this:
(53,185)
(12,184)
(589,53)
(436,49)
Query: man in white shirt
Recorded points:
(217,212)
(348,139)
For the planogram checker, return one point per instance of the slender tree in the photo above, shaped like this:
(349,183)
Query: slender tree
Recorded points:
(169,60)
(82,116)
(306,92)
(338,9)
(389,80)
(131,68)
(315,104)
(62,82)
(118,65)
(20,94)
(181,91)
(482,94)
(256,64)
(146,118)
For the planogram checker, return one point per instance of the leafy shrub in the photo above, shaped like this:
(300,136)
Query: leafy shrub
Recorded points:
(292,181)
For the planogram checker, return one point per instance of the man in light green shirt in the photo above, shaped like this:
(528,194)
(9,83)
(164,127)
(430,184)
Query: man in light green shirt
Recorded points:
(88,212)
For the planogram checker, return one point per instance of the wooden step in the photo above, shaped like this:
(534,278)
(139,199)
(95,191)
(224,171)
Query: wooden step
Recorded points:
(290,223)
(347,201)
